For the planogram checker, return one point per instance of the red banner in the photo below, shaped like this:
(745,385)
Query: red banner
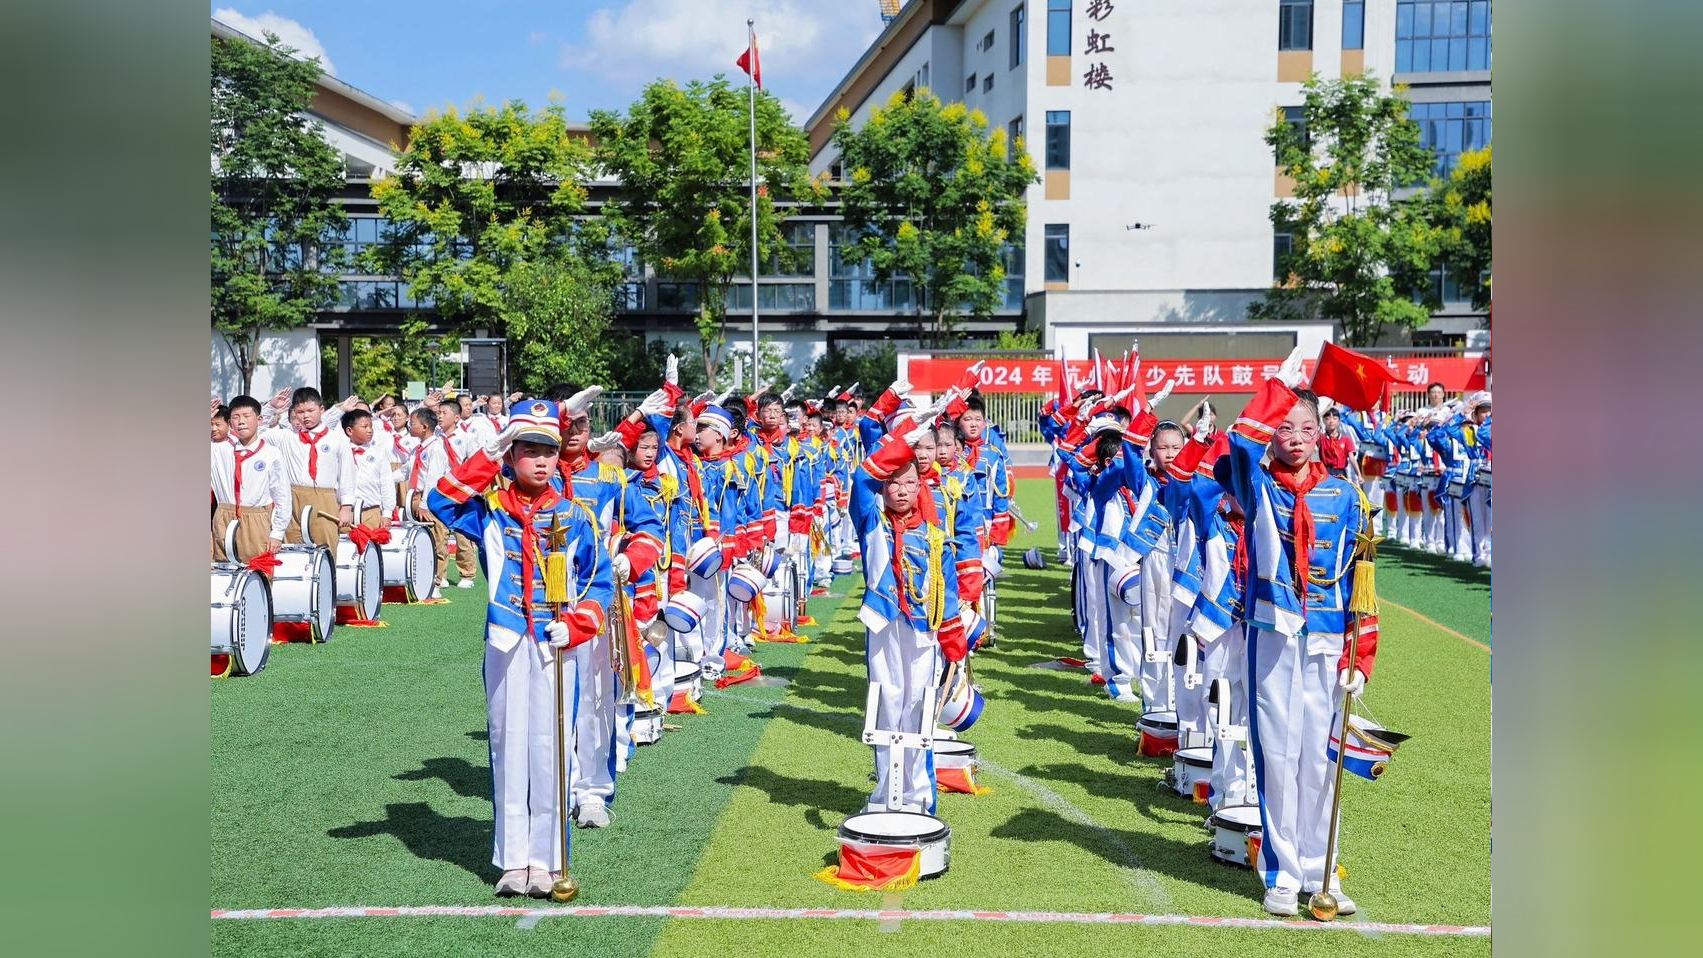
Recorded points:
(1456,373)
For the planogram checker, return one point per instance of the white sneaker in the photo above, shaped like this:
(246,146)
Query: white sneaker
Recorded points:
(539,881)
(465,584)
(443,584)
(512,884)
(592,816)
(1282,902)
(1126,696)
(1344,904)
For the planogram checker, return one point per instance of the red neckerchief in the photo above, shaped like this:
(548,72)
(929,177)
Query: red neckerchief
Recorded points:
(515,503)
(449,448)
(1239,565)
(567,469)
(1300,480)
(975,447)
(242,456)
(419,457)
(772,437)
(900,525)
(312,442)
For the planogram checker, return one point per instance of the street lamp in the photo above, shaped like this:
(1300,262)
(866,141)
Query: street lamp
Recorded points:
(432,349)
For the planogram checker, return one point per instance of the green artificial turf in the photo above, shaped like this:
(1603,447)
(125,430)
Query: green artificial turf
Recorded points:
(355,773)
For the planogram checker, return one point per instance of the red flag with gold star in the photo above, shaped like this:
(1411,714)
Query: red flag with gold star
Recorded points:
(1352,379)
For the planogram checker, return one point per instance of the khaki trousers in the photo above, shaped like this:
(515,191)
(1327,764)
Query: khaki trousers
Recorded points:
(254,527)
(324,529)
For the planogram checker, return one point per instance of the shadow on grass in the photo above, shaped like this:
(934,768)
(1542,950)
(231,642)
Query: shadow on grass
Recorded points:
(1184,860)
(1432,566)
(463,777)
(458,840)
(1112,745)
(811,794)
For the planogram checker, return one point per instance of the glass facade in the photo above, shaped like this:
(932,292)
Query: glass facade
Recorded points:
(772,297)
(1354,25)
(1450,129)
(851,285)
(1295,25)
(1018,39)
(1448,36)
(1057,253)
(1058,139)
(1058,28)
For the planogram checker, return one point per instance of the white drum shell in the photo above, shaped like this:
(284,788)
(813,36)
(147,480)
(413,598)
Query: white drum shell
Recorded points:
(1231,826)
(304,587)
(1190,765)
(904,830)
(241,618)
(647,726)
(360,578)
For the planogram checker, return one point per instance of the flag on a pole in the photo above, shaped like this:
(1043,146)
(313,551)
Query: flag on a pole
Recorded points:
(750,64)
(1352,379)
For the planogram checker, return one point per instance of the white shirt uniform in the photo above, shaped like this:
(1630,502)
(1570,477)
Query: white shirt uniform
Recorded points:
(481,428)
(332,462)
(428,463)
(265,479)
(375,484)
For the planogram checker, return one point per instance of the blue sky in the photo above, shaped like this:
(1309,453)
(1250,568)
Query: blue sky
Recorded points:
(595,55)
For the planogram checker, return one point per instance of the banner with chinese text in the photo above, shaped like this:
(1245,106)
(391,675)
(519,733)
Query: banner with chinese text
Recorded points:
(1456,373)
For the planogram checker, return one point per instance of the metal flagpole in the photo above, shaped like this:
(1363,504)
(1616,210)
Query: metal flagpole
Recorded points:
(751,87)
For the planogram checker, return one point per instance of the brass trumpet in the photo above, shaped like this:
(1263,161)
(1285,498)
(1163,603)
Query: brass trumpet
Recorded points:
(619,614)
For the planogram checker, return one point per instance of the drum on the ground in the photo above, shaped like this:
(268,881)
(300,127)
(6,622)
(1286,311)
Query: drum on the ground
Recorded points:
(647,725)
(887,831)
(1235,833)
(1191,773)
(242,620)
(304,588)
(688,680)
(360,579)
(409,562)
(843,565)
(1158,733)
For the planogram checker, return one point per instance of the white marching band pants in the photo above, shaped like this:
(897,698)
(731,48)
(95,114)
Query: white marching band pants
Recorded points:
(595,725)
(711,633)
(1157,688)
(520,698)
(1478,506)
(1092,590)
(1293,707)
(1122,648)
(1232,767)
(902,665)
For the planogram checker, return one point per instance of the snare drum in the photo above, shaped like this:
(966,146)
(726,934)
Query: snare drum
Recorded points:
(360,579)
(408,564)
(688,686)
(647,726)
(877,832)
(703,558)
(1235,832)
(955,767)
(1374,450)
(843,565)
(1158,733)
(304,587)
(1191,771)
(1128,586)
(1483,477)
(242,620)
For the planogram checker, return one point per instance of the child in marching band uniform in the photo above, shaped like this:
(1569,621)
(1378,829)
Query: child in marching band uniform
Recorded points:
(375,490)
(910,608)
(1303,528)
(550,584)
(251,487)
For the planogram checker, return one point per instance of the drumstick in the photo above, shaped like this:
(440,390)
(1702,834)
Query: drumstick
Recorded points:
(945,686)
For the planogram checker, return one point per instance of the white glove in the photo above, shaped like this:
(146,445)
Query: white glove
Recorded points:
(671,370)
(786,393)
(721,397)
(623,568)
(853,386)
(497,446)
(656,404)
(901,387)
(558,633)
(923,428)
(1162,394)
(1325,402)
(1352,681)
(1203,428)
(1290,373)
(607,441)
(581,401)
(830,394)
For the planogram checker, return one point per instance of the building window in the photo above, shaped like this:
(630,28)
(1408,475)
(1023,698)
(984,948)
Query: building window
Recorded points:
(922,76)
(1014,133)
(851,284)
(1443,288)
(676,296)
(1295,25)
(1013,261)
(1282,244)
(1354,25)
(800,240)
(1058,28)
(1018,40)
(1437,37)
(1296,117)
(987,83)
(987,42)
(1058,139)
(1450,129)
(969,84)
(1057,252)
(773,297)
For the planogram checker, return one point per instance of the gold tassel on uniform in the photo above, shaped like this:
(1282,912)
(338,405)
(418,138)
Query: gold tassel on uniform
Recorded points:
(1363,600)
(555,566)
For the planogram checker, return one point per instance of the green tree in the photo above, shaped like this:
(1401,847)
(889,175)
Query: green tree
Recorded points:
(933,197)
(274,181)
(682,156)
(557,314)
(1021,339)
(1358,252)
(1460,208)
(476,196)
(873,366)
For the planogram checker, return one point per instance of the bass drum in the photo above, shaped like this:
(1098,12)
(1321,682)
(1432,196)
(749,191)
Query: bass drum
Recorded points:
(304,588)
(242,621)
(360,579)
